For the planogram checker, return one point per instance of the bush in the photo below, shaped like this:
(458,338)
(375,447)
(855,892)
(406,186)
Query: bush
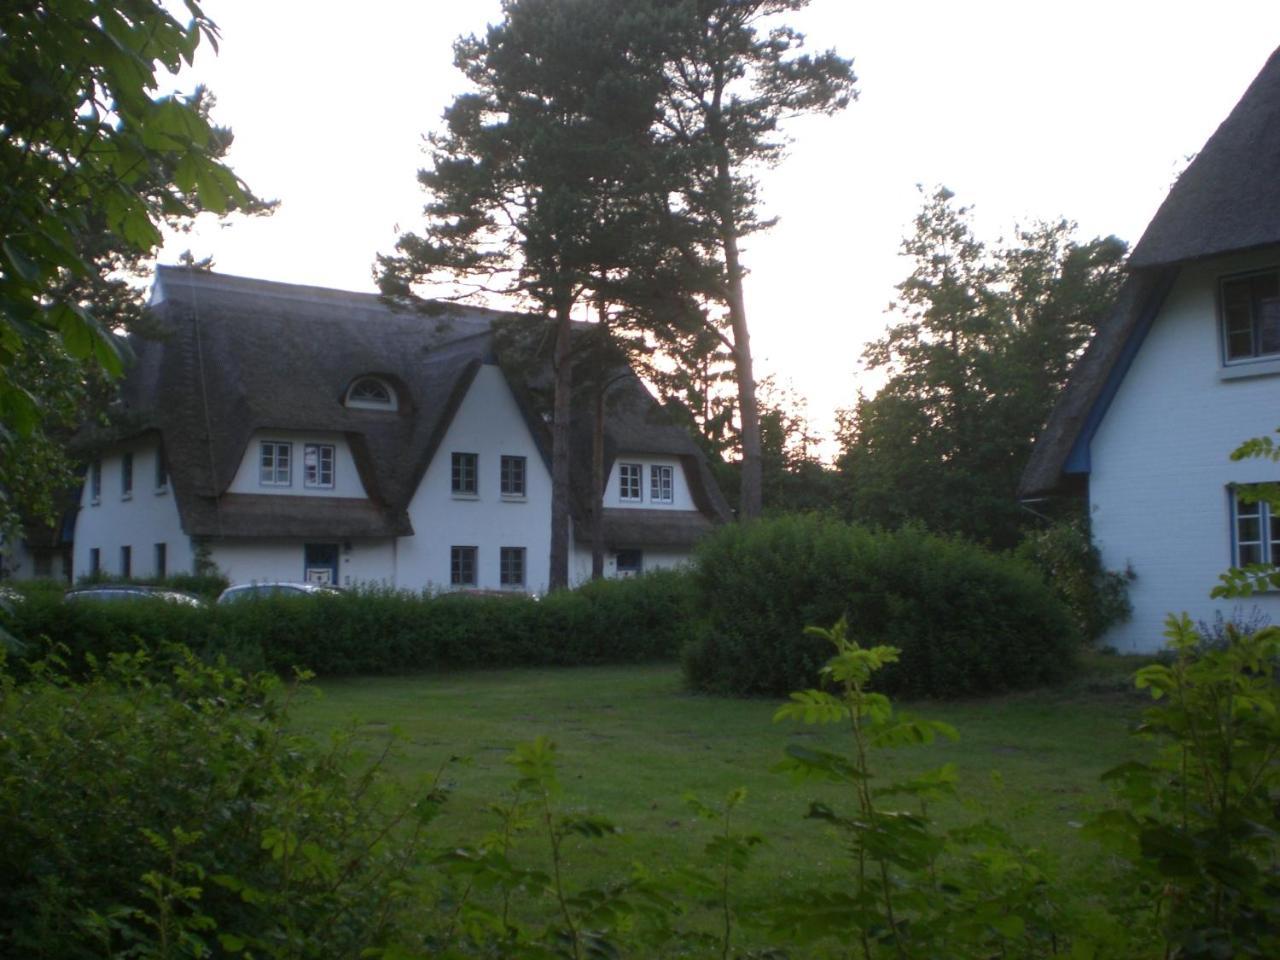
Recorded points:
(156,811)
(1072,566)
(967,621)
(381,631)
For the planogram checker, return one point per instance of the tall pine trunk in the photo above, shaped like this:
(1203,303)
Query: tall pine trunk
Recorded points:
(751,496)
(563,372)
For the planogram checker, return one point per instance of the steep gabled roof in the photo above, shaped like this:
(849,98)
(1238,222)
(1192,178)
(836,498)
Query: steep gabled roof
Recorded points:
(1227,200)
(235,356)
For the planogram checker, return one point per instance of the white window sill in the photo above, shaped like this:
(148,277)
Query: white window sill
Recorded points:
(317,486)
(465,496)
(1241,370)
(161,491)
(514,498)
(95,502)
(126,496)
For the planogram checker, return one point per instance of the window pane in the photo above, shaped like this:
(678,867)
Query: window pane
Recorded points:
(1250,553)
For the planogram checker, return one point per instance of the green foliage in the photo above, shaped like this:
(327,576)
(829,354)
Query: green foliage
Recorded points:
(966,621)
(1065,554)
(1245,581)
(1198,827)
(167,811)
(974,367)
(379,631)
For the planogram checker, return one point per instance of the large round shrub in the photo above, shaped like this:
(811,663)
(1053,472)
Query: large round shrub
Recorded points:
(966,621)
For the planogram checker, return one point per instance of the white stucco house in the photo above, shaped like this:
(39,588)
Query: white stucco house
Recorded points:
(1185,368)
(285,432)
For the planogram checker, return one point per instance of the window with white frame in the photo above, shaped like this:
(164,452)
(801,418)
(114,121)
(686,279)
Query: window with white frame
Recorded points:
(1251,316)
(511,567)
(126,476)
(371,393)
(465,474)
(630,563)
(317,465)
(275,463)
(462,566)
(1256,529)
(512,476)
(661,484)
(629,475)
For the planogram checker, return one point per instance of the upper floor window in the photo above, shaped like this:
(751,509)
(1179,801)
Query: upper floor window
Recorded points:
(464,474)
(371,393)
(629,481)
(1251,315)
(126,476)
(1257,530)
(162,472)
(95,482)
(513,470)
(317,465)
(661,484)
(274,464)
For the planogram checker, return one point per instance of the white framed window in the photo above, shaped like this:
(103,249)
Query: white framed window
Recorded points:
(629,475)
(371,393)
(630,563)
(317,465)
(275,464)
(464,481)
(513,476)
(126,476)
(462,566)
(511,567)
(1255,530)
(1250,308)
(661,484)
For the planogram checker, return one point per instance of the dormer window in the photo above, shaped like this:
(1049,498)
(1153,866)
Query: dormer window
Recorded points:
(1251,316)
(371,393)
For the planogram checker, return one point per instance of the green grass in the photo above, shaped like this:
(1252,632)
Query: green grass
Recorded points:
(632,742)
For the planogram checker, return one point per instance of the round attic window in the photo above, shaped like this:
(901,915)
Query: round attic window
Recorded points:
(370,393)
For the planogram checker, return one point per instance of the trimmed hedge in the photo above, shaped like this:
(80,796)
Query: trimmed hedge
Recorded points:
(379,631)
(967,621)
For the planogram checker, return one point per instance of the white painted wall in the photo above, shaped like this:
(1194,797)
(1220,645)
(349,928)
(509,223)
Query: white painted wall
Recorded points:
(682,499)
(1159,460)
(489,424)
(346,479)
(360,562)
(147,517)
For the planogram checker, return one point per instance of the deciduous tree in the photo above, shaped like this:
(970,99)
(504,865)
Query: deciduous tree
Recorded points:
(985,343)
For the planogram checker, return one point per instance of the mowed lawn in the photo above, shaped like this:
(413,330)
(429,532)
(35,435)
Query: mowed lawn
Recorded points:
(633,742)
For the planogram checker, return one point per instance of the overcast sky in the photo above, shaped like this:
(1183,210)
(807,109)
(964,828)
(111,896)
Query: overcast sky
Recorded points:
(1026,110)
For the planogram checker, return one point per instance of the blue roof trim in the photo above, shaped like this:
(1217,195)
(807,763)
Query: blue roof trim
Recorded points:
(1078,461)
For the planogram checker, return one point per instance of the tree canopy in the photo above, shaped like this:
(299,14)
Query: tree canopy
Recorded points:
(92,160)
(984,345)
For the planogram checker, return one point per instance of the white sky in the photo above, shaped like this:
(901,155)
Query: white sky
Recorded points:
(1024,109)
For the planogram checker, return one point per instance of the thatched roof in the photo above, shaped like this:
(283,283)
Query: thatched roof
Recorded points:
(237,356)
(1227,200)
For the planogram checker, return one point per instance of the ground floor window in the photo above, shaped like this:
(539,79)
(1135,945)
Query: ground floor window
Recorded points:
(630,563)
(511,564)
(462,566)
(95,561)
(162,560)
(1256,529)
(126,561)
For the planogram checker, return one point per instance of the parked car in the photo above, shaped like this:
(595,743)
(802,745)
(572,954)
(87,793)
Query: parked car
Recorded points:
(279,588)
(113,592)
